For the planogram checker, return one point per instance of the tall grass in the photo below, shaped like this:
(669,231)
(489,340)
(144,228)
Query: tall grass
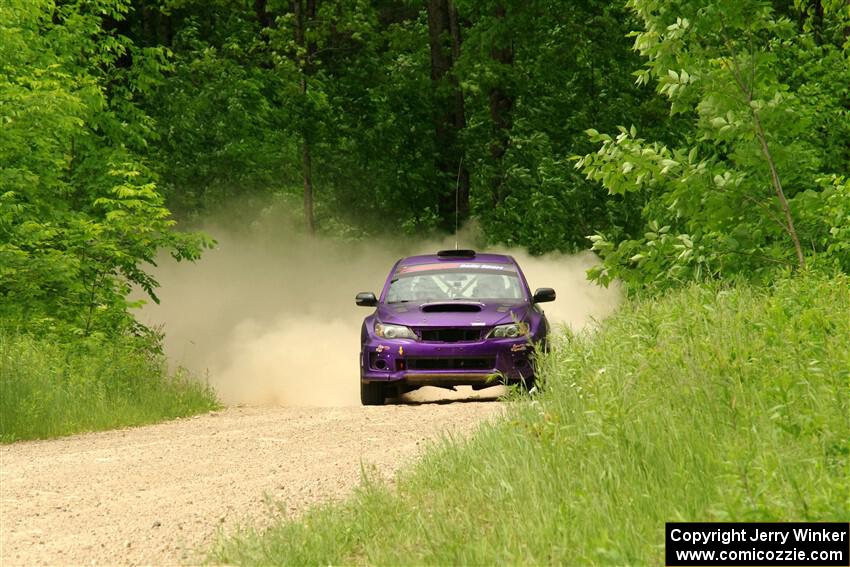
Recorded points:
(48,389)
(713,403)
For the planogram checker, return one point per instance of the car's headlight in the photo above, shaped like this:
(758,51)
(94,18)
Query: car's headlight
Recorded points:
(394,331)
(510,331)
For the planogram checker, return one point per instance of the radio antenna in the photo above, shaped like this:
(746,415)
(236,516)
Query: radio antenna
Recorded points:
(457,197)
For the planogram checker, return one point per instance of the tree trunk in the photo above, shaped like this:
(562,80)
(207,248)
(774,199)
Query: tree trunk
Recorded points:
(444,40)
(747,90)
(501,109)
(307,167)
(303,14)
(817,22)
(777,187)
(264,17)
(462,182)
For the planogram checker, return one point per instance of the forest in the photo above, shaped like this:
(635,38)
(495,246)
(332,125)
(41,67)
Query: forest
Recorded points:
(680,140)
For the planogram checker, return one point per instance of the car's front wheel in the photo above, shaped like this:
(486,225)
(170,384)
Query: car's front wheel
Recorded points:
(372,393)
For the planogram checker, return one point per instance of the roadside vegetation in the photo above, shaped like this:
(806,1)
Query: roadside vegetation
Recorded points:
(50,388)
(720,402)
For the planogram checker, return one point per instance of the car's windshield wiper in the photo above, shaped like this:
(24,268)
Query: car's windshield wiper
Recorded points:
(399,301)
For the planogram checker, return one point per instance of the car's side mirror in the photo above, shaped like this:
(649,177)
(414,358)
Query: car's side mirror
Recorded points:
(366,299)
(544,294)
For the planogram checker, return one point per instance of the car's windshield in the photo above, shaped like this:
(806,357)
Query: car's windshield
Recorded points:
(440,282)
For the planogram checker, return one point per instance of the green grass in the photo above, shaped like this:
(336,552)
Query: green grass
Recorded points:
(51,389)
(712,403)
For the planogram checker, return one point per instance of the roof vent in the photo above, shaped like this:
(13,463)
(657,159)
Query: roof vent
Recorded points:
(456,254)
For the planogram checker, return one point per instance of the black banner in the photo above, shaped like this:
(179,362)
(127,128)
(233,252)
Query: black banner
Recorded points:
(728,543)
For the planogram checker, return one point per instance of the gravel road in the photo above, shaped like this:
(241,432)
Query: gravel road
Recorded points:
(160,494)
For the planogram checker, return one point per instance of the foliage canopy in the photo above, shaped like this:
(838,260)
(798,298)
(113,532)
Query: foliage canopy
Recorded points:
(387,117)
(760,177)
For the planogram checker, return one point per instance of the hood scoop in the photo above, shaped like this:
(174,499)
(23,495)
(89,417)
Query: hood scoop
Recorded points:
(453,307)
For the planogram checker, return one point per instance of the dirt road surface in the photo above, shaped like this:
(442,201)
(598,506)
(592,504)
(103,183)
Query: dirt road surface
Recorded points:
(160,494)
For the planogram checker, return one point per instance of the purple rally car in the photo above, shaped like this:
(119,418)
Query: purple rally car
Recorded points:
(450,319)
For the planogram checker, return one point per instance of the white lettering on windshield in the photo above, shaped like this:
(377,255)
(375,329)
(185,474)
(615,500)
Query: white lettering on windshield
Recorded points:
(482,266)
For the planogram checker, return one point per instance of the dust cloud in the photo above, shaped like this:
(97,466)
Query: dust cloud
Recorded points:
(268,317)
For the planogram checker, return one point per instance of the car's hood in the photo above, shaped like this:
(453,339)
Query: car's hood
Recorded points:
(453,313)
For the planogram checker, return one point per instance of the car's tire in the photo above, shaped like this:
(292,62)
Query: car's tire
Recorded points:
(372,393)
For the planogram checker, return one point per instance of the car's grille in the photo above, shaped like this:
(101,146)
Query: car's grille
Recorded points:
(451,335)
(451,363)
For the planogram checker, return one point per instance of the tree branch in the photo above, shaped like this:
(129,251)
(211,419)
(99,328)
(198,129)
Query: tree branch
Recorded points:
(765,149)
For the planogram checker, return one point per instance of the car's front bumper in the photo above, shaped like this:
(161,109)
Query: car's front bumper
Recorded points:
(416,363)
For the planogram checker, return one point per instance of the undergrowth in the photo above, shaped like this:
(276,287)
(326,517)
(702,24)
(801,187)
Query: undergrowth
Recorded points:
(53,388)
